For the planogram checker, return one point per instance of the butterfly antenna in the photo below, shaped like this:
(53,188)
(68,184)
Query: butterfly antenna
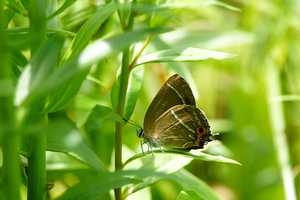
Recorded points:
(132,123)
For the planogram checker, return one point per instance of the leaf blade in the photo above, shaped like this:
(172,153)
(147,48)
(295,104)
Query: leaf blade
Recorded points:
(64,137)
(183,55)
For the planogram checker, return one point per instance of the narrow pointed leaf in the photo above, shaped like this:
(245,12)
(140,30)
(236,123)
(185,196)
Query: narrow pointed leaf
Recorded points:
(92,54)
(194,154)
(42,65)
(16,7)
(133,91)
(183,55)
(66,5)
(94,187)
(64,137)
(62,95)
(189,195)
(191,182)
(98,116)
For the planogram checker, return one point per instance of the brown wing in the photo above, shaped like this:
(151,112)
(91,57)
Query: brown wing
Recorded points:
(175,91)
(182,127)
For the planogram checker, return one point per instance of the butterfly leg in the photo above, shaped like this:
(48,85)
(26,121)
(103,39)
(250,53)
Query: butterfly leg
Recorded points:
(142,146)
(159,147)
(150,148)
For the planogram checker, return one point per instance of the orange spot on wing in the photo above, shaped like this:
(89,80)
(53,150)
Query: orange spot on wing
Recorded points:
(199,132)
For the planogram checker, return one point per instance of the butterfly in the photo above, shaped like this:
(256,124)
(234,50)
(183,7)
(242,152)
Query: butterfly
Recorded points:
(173,120)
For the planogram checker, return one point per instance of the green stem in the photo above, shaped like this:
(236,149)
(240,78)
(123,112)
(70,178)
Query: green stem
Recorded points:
(9,139)
(278,126)
(37,165)
(119,10)
(133,63)
(38,25)
(122,97)
(131,17)
(120,110)
(37,141)
(11,166)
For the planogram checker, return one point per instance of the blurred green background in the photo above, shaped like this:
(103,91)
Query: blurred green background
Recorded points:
(252,100)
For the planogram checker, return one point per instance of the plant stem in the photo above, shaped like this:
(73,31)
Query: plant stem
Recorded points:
(37,141)
(37,165)
(11,166)
(120,110)
(132,64)
(38,25)
(119,7)
(9,138)
(278,125)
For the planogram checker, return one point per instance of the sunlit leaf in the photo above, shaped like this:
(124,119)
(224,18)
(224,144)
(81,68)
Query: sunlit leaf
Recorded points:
(183,55)
(94,187)
(194,154)
(98,116)
(196,4)
(189,195)
(42,65)
(88,29)
(66,5)
(90,55)
(64,137)
(62,95)
(170,162)
(165,163)
(16,7)
(191,182)
(133,91)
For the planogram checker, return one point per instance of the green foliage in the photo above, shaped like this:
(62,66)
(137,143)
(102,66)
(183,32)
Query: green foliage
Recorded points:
(71,70)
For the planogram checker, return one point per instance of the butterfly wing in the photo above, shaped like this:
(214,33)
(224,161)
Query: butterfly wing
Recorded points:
(182,127)
(175,91)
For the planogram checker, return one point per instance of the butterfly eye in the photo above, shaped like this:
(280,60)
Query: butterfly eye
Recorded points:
(140,133)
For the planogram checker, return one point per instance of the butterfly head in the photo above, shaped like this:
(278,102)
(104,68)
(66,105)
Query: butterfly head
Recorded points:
(140,133)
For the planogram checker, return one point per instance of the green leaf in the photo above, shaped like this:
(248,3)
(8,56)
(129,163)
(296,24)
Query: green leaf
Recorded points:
(133,91)
(53,23)
(291,97)
(66,5)
(183,55)
(90,55)
(15,72)
(88,29)
(191,182)
(170,162)
(57,161)
(199,4)
(18,58)
(98,116)
(177,67)
(7,16)
(195,154)
(115,90)
(41,66)
(165,163)
(64,137)
(94,187)
(16,7)
(61,96)
(25,3)
(19,40)
(189,195)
